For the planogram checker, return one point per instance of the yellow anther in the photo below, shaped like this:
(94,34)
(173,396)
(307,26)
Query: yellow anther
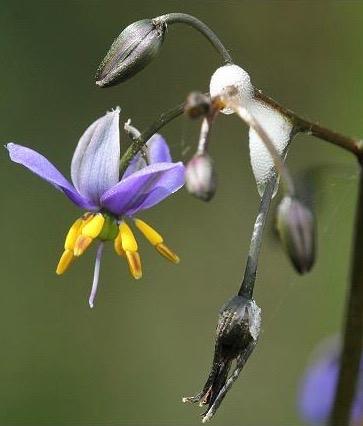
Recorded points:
(134,261)
(81,245)
(149,233)
(118,245)
(127,237)
(94,227)
(73,233)
(167,253)
(156,240)
(65,261)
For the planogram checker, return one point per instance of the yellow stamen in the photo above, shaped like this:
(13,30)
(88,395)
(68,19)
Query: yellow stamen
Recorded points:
(156,240)
(129,246)
(149,233)
(129,242)
(134,261)
(81,245)
(73,233)
(90,229)
(167,253)
(75,243)
(118,245)
(94,227)
(65,261)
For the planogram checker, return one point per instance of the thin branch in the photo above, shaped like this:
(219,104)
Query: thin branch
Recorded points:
(301,125)
(138,143)
(353,329)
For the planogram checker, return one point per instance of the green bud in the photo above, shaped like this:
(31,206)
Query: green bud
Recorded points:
(295,224)
(200,177)
(132,50)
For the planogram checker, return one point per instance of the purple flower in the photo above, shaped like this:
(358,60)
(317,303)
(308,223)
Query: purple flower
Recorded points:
(97,188)
(317,390)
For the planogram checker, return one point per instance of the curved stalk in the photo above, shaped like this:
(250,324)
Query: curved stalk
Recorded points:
(184,18)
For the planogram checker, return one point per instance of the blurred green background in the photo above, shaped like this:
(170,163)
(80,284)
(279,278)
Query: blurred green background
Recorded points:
(148,343)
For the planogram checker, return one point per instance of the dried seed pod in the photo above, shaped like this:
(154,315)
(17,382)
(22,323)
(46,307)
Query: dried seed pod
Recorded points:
(238,329)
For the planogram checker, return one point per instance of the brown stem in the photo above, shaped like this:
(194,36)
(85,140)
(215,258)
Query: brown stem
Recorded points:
(353,329)
(301,125)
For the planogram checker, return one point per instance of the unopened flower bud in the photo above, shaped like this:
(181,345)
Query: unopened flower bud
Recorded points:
(295,223)
(132,50)
(200,177)
(197,105)
(233,82)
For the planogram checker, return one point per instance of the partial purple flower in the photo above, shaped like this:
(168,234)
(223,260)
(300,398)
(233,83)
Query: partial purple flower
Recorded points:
(97,188)
(316,395)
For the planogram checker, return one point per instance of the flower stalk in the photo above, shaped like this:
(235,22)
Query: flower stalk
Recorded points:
(140,141)
(248,282)
(184,18)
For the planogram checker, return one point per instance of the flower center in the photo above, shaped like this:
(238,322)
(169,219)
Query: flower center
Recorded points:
(110,228)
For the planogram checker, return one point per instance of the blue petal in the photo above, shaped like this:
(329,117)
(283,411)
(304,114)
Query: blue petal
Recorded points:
(39,165)
(317,392)
(156,150)
(318,389)
(144,188)
(96,160)
(137,163)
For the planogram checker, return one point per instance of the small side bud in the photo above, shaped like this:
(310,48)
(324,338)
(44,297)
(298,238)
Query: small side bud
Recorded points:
(200,177)
(132,50)
(197,105)
(295,224)
(231,77)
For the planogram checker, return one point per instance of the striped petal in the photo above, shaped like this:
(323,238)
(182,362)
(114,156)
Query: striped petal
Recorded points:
(95,163)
